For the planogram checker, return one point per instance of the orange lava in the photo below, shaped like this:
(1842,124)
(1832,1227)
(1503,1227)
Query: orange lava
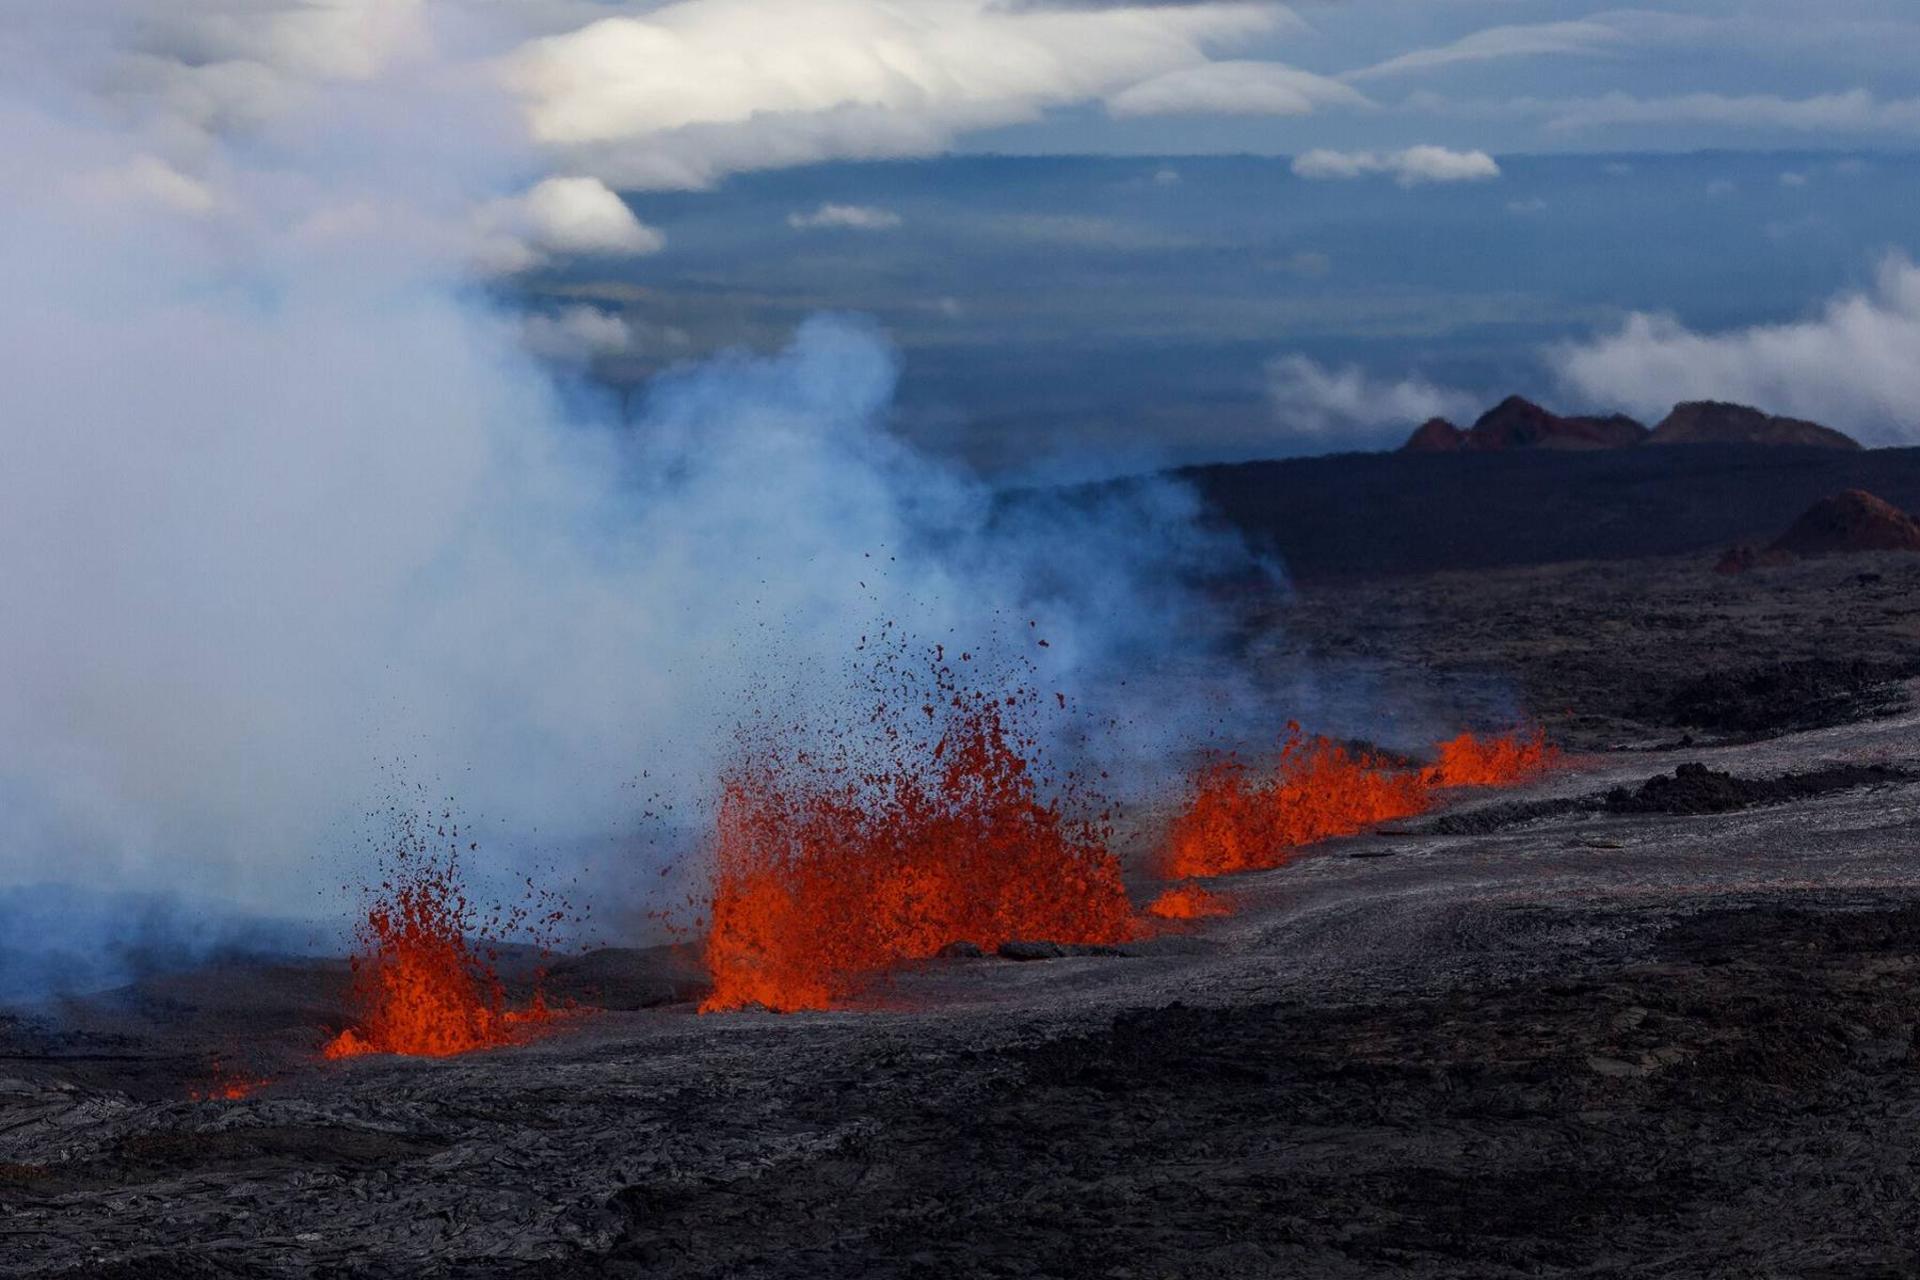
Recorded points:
(929,828)
(1469,761)
(1189,902)
(1237,820)
(224,1085)
(421,986)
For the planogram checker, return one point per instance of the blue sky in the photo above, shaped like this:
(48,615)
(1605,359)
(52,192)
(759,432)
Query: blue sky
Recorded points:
(1437,201)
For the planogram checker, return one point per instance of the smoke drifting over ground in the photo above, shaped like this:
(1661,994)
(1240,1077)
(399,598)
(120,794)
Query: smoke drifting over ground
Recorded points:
(288,510)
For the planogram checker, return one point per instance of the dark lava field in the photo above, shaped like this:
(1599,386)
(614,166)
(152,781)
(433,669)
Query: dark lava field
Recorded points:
(1653,1015)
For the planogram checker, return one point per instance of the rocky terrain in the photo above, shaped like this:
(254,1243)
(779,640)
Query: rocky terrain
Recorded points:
(1624,654)
(1653,1015)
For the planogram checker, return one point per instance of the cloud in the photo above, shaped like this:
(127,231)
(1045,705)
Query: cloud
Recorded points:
(1855,365)
(845,217)
(203,67)
(1527,207)
(1234,88)
(583,215)
(1311,399)
(689,92)
(561,216)
(1517,41)
(1409,168)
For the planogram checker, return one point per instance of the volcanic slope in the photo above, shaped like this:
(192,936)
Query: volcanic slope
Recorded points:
(1585,1044)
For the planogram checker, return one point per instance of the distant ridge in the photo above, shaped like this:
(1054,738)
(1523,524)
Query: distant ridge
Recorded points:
(1717,422)
(1519,423)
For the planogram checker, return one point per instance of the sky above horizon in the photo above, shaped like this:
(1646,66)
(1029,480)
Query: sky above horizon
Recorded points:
(1530,76)
(1099,236)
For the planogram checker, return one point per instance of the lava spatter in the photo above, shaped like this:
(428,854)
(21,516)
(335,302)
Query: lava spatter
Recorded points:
(1237,818)
(1470,760)
(925,823)
(424,978)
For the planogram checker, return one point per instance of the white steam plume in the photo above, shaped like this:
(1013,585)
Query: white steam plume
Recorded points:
(1853,365)
(284,500)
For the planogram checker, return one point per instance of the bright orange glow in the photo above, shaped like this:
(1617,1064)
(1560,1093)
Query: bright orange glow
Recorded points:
(420,985)
(829,873)
(1189,902)
(1237,820)
(1469,761)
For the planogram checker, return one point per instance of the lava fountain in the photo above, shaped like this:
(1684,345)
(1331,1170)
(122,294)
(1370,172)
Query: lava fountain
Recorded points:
(1473,761)
(1237,819)
(421,985)
(924,825)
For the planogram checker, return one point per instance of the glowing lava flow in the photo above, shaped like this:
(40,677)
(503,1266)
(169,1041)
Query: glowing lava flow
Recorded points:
(828,872)
(1189,902)
(1317,790)
(1470,761)
(420,985)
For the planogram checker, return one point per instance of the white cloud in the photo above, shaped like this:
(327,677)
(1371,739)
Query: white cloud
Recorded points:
(1525,40)
(1791,179)
(1234,88)
(1311,399)
(1409,168)
(205,66)
(686,93)
(583,215)
(561,216)
(845,217)
(1526,207)
(1855,365)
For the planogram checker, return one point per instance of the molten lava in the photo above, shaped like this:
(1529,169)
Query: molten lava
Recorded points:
(420,985)
(226,1085)
(1189,902)
(1237,820)
(923,827)
(1469,761)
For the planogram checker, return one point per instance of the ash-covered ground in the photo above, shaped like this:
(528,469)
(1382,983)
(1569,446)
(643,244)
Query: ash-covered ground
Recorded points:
(1598,1026)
